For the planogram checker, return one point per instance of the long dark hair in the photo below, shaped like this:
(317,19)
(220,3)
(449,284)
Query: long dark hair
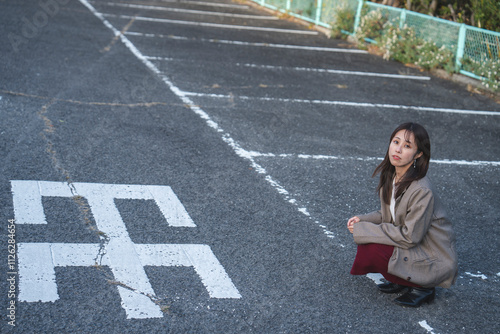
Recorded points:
(387,170)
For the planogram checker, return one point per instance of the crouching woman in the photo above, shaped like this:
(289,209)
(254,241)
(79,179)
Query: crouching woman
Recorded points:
(409,240)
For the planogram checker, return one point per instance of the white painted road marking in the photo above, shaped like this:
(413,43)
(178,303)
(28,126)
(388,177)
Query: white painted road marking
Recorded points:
(241,43)
(189,11)
(126,259)
(332,71)
(426,326)
(212,25)
(376,277)
(27,198)
(317,70)
(478,275)
(209,4)
(334,157)
(350,104)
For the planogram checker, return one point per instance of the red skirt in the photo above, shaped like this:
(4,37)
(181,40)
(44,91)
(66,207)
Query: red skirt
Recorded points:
(374,258)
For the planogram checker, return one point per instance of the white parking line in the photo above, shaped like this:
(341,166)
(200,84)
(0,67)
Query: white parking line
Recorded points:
(331,71)
(240,43)
(333,157)
(160,58)
(350,104)
(207,3)
(189,11)
(213,25)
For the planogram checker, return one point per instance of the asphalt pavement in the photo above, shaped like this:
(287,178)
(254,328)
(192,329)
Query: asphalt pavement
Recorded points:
(190,166)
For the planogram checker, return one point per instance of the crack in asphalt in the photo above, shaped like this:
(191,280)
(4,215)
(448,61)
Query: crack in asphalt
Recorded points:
(117,36)
(92,103)
(84,208)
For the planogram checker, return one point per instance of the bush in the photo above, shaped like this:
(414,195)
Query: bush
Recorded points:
(371,26)
(406,46)
(403,45)
(487,69)
(344,21)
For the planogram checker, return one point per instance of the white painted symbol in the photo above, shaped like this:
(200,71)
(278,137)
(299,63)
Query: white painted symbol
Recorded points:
(36,261)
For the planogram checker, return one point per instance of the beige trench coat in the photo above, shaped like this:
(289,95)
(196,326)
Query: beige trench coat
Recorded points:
(422,236)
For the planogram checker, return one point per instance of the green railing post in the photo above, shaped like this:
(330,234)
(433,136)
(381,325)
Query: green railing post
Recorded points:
(288,5)
(319,9)
(402,18)
(358,16)
(460,46)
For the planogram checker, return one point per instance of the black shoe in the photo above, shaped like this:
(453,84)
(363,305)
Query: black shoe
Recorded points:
(390,287)
(416,296)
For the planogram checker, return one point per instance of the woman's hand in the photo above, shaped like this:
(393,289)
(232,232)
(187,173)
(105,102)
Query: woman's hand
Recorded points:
(351,222)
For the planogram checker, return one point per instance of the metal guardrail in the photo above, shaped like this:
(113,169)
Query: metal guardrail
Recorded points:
(465,41)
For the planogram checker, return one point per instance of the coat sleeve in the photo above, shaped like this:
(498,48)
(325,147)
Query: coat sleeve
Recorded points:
(412,223)
(374,217)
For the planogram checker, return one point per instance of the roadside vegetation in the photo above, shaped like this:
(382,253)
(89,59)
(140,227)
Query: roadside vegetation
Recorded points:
(386,38)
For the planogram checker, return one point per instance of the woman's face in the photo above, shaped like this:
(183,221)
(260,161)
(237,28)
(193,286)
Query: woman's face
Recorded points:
(403,150)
